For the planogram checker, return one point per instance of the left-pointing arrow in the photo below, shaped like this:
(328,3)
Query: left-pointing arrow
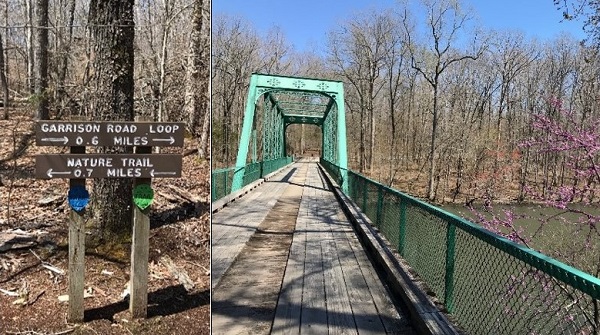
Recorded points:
(164,173)
(51,173)
(63,139)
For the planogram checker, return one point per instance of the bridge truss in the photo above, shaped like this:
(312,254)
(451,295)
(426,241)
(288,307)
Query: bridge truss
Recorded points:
(276,102)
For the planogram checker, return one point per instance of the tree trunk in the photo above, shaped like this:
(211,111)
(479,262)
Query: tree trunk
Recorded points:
(192,74)
(41,59)
(29,46)
(372,132)
(64,47)
(161,117)
(3,80)
(361,146)
(203,143)
(433,149)
(197,82)
(112,32)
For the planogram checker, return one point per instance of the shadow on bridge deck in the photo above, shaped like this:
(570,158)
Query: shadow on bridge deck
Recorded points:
(286,259)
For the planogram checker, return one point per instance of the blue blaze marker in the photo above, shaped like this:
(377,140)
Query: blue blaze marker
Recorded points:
(78,197)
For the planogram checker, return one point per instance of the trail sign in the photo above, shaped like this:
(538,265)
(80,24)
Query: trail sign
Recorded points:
(77,166)
(109,133)
(108,166)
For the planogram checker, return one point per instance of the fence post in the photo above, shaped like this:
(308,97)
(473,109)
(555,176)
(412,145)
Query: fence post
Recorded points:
(140,246)
(379,206)
(402,228)
(449,282)
(76,254)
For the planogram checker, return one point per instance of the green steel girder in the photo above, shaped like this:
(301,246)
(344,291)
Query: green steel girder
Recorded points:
(299,118)
(292,100)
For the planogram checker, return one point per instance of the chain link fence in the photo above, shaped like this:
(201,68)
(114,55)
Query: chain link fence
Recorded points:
(220,183)
(221,179)
(487,284)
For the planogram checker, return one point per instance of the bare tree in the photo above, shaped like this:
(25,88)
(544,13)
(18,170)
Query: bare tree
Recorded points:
(445,21)
(41,59)
(357,52)
(112,31)
(512,57)
(3,80)
(589,10)
(235,56)
(64,45)
(197,78)
(30,48)
(275,53)
(395,64)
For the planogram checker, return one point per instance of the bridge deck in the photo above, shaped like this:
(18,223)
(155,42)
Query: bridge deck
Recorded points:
(286,260)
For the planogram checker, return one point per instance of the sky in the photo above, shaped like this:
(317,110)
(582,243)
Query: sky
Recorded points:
(306,23)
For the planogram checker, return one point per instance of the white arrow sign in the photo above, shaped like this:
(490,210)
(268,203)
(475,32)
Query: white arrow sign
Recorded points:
(63,139)
(51,173)
(171,140)
(157,173)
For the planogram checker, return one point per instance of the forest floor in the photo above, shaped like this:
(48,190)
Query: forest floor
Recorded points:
(34,250)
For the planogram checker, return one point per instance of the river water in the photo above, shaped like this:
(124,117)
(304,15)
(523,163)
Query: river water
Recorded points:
(549,230)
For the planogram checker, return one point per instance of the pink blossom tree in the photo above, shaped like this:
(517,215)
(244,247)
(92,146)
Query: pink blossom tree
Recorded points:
(572,226)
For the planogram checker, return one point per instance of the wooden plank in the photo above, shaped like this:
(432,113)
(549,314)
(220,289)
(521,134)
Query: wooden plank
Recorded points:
(138,281)
(109,133)
(289,305)
(323,287)
(76,255)
(76,266)
(314,316)
(232,227)
(392,320)
(247,211)
(373,309)
(339,312)
(314,308)
(364,310)
(246,297)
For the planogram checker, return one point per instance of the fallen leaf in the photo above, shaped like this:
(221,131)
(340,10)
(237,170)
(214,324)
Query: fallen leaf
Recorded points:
(20,301)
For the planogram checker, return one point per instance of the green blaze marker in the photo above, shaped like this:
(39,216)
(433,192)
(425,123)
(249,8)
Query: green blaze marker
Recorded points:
(143,195)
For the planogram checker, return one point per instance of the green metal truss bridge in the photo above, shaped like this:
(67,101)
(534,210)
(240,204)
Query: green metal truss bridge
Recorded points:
(274,103)
(306,215)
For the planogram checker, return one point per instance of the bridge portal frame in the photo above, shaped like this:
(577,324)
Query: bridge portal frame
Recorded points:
(266,85)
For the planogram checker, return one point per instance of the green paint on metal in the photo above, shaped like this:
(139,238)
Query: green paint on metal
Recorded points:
(240,162)
(341,137)
(490,285)
(143,195)
(273,103)
(220,182)
(402,228)
(449,275)
(254,152)
(364,195)
(379,205)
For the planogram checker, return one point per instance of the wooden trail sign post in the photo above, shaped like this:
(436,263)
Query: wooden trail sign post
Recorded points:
(77,166)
